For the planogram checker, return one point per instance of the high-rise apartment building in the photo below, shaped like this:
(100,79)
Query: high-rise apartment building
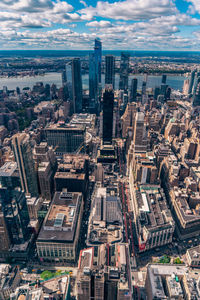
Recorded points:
(108,103)
(23,156)
(77,85)
(110,70)
(124,70)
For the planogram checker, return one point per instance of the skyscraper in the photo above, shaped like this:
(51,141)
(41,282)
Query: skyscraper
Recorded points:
(110,70)
(140,140)
(98,57)
(23,156)
(108,103)
(133,95)
(196,97)
(93,78)
(191,81)
(156,92)
(164,78)
(124,70)
(68,76)
(77,85)
(14,208)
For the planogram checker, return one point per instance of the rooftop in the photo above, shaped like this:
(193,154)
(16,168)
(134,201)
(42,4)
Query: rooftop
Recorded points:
(64,126)
(8,168)
(60,222)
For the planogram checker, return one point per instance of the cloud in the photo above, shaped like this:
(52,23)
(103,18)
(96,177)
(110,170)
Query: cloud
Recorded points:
(194,7)
(100,24)
(83,2)
(131,9)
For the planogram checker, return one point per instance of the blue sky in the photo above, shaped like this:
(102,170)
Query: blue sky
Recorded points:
(125,24)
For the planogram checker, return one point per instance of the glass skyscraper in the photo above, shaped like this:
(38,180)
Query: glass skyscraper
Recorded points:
(93,79)
(98,58)
(133,94)
(23,156)
(108,105)
(124,70)
(15,212)
(77,85)
(110,70)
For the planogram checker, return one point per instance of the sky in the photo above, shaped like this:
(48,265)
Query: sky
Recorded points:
(121,25)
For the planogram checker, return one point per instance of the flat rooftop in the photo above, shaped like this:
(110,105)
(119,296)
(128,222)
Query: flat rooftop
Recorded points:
(69,175)
(8,168)
(66,127)
(194,253)
(61,220)
(153,206)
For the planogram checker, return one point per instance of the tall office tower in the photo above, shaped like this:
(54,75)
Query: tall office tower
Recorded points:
(77,85)
(196,97)
(164,78)
(98,57)
(110,70)
(156,92)
(93,79)
(191,81)
(23,156)
(168,93)
(68,72)
(186,85)
(4,236)
(15,212)
(140,139)
(197,80)
(124,70)
(64,78)
(108,104)
(144,87)
(133,94)
(163,90)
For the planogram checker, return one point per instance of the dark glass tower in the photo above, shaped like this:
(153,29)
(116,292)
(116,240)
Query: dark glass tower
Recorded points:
(98,58)
(156,92)
(110,70)
(77,85)
(93,79)
(164,79)
(108,103)
(133,95)
(15,211)
(124,70)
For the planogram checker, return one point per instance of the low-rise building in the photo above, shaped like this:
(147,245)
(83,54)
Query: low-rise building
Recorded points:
(153,219)
(193,256)
(55,288)
(9,280)
(59,235)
